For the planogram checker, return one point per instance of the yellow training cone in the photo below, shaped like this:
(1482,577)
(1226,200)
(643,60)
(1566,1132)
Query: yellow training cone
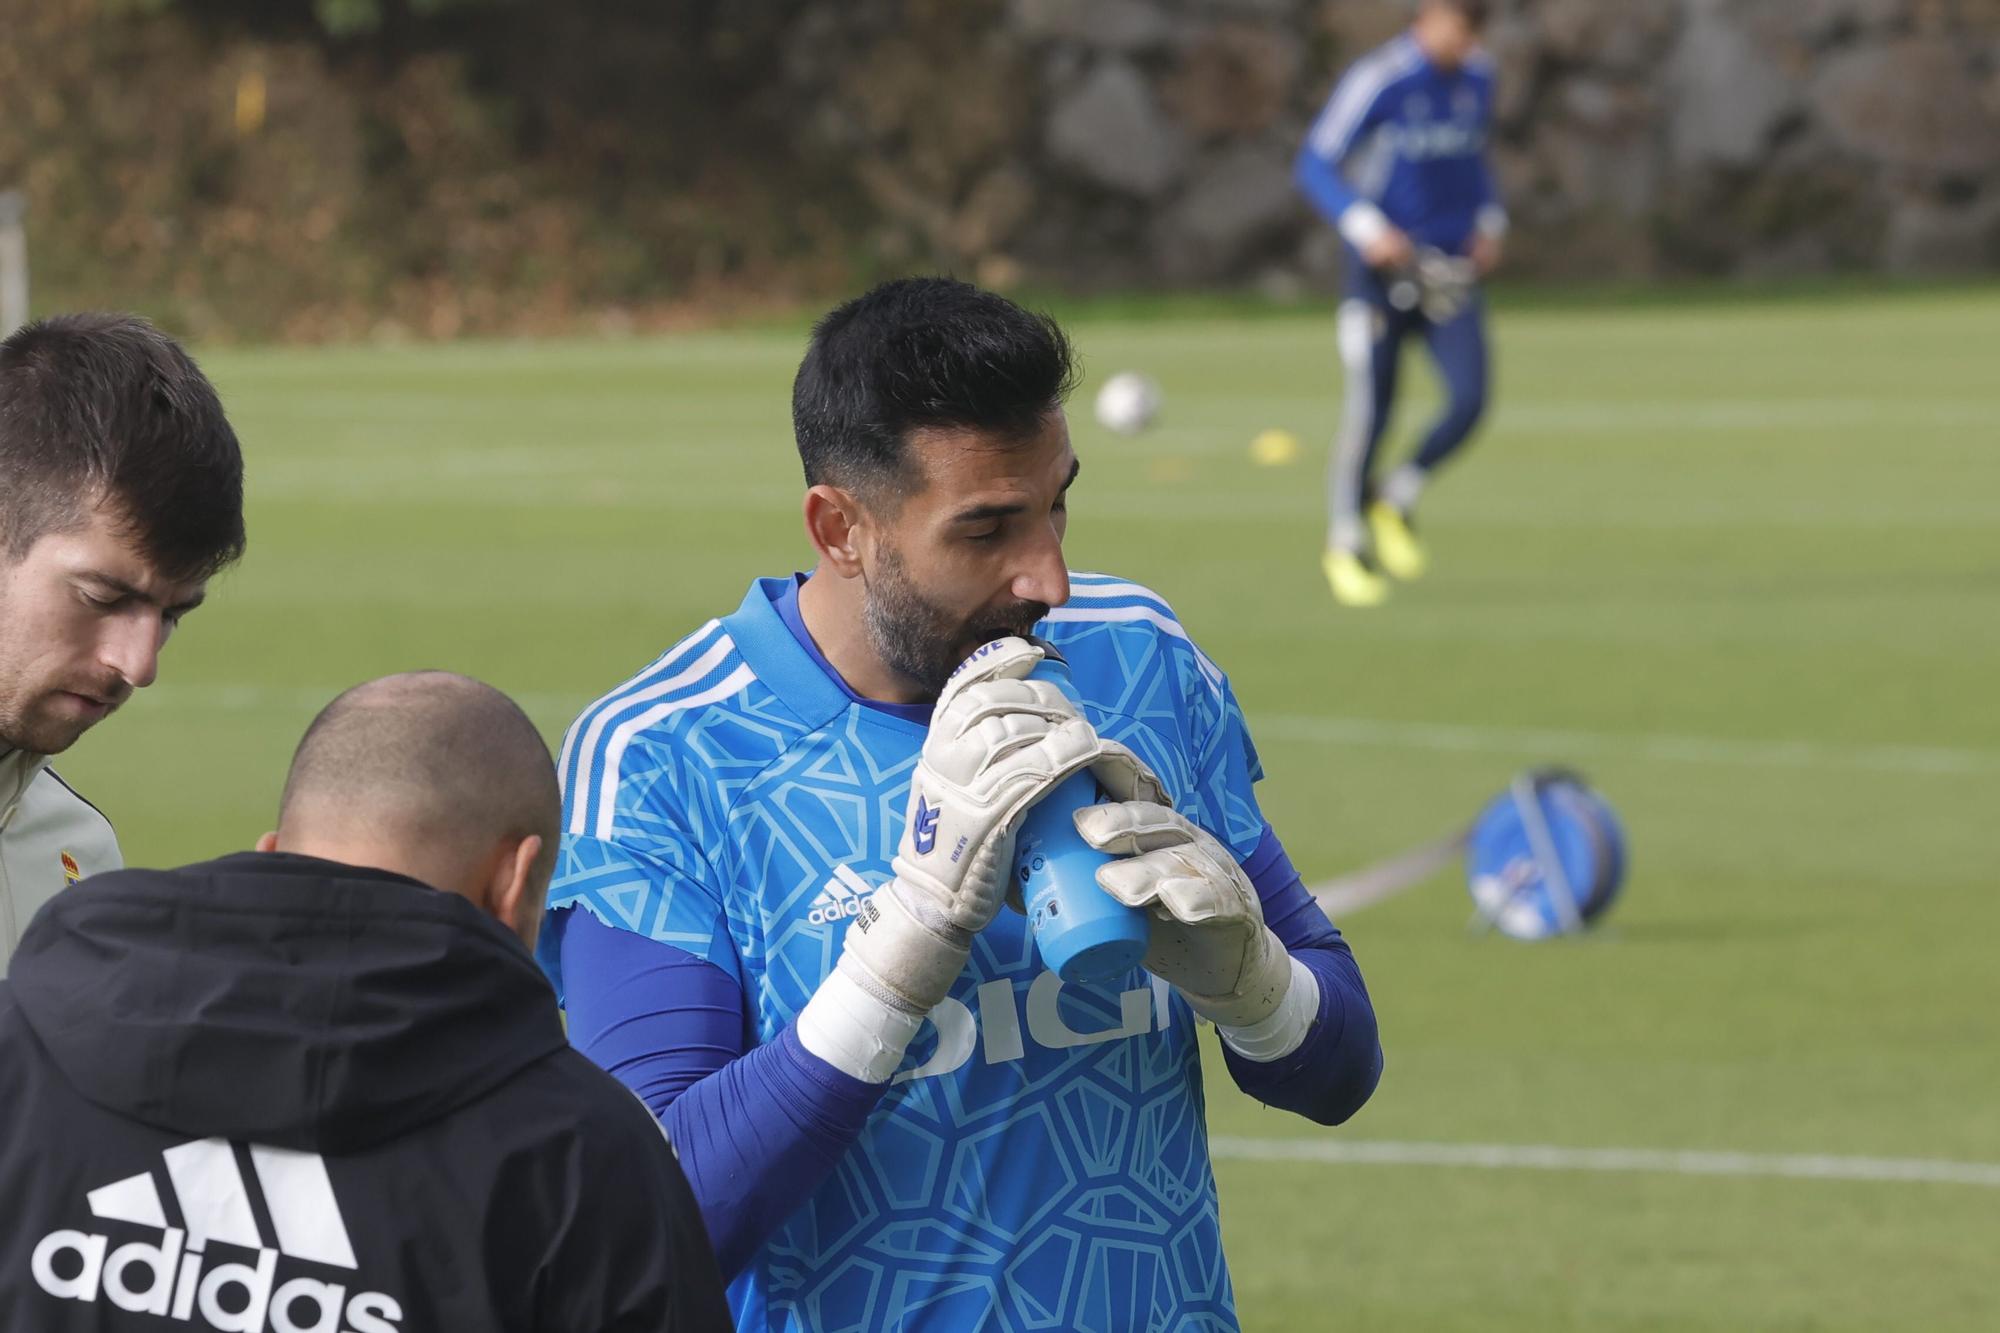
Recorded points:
(1274,448)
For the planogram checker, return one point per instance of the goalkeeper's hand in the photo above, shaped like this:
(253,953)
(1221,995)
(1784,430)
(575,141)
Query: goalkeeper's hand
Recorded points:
(998,743)
(1208,933)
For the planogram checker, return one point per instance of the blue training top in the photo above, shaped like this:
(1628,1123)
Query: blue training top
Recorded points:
(1042,1152)
(1410,137)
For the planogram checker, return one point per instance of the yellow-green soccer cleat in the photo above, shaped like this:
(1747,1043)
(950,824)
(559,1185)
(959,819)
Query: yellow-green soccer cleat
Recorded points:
(1353,579)
(1396,544)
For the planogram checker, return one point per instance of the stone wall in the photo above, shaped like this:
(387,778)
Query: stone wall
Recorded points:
(538,166)
(1107,143)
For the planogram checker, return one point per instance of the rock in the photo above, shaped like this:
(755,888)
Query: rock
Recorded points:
(1244,200)
(1910,103)
(1618,38)
(1109,131)
(1109,25)
(1593,171)
(1728,96)
(1517,53)
(1572,29)
(1522,178)
(1267,8)
(1604,107)
(1798,202)
(1235,79)
(1640,44)
(1819,22)
(1929,238)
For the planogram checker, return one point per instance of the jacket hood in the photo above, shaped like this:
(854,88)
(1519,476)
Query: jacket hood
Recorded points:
(280,999)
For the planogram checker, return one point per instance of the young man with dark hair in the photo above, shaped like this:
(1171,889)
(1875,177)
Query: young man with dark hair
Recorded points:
(121,495)
(777,915)
(1397,162)
(322,1085)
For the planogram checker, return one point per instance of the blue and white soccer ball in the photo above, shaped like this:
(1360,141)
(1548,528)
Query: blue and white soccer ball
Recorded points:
(1546,858)
(1128,402)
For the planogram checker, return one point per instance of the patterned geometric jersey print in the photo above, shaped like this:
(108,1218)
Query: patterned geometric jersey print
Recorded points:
(1041,1160)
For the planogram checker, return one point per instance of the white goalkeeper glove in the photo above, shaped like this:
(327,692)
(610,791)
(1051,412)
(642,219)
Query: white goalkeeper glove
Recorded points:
(1208,933)
(998,742)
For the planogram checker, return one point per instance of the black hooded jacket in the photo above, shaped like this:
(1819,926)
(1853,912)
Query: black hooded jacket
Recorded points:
(273,1093)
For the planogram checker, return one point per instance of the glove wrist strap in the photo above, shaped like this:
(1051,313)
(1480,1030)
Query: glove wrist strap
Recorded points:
(1284,1028)
(896,958)
(1269,983)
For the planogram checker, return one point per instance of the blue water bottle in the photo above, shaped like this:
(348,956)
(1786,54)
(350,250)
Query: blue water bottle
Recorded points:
(1084,934)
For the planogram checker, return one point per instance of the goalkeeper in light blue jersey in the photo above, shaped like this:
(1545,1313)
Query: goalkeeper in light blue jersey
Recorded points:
(893,1114)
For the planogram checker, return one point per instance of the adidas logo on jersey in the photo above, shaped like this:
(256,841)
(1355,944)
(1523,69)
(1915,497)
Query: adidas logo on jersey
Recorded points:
(841,899)
(178,1277)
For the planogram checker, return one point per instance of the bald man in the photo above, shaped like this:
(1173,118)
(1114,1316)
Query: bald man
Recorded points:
(322,1085)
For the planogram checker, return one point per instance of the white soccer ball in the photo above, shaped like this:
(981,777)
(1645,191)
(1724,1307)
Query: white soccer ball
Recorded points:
(1128,402)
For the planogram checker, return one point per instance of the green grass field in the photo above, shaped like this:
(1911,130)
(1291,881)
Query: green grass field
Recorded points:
(1739,560)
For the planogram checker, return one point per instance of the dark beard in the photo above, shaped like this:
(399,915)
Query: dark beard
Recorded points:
(40,734)
(922,641)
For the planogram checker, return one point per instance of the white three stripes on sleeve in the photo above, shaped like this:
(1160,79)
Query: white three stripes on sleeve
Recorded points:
(622,735)
(1333,133)
(589,725)
(1151,609)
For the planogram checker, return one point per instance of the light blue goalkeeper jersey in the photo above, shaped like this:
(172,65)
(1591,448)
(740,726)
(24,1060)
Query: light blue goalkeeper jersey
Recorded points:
(1041,1161)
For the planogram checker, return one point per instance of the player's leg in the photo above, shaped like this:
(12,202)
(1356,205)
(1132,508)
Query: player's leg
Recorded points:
(1458,346)
(1370,335)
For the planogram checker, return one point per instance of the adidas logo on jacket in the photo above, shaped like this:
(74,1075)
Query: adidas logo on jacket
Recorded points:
(170,1273)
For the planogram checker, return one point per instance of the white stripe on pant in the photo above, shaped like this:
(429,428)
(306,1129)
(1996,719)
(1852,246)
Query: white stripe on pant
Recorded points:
(1355,324)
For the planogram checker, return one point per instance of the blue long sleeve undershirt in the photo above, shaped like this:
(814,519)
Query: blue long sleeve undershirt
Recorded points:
(1336,1068)
(1323,185)
(758,1128)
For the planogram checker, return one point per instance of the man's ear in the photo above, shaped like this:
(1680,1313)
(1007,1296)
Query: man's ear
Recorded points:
(834,517)
(514,898)
(269,842)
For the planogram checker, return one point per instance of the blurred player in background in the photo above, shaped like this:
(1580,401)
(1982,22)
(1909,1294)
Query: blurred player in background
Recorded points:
(787,841)
(1397,162)
(121,495)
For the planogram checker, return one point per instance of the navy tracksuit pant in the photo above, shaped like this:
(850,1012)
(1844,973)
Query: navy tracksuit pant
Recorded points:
(1371,334)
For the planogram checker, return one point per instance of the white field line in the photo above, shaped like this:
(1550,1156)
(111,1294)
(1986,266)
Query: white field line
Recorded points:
(1657,1161)
(1930,760)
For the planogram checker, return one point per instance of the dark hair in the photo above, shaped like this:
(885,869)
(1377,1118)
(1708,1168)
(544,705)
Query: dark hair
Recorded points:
(915,353)
(1474,12)
(104,407)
